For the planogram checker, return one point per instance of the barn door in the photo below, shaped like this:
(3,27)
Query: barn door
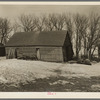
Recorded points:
(38,53)
(16,50)
(11,53)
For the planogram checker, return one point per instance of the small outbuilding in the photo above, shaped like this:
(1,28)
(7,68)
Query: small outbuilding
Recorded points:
(2,50)
(52,46)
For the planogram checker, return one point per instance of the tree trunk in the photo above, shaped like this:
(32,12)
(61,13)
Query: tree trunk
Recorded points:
(85,47)
(89,54)
(77,53)
(98,51)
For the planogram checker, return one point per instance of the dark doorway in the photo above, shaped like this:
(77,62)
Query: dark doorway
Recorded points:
(16,50)
(69,53)
(38,53)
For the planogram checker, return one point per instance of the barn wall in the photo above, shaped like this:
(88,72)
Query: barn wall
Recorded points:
(67,49)
(51,54)
(46,53)
(10,52)
(67,53)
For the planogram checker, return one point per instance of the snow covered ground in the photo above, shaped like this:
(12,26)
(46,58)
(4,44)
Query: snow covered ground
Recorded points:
(16,71)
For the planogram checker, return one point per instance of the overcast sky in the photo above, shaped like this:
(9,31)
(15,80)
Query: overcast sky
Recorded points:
(12,11)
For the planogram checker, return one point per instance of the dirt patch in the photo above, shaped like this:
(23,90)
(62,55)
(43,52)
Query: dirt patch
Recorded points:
(56,84)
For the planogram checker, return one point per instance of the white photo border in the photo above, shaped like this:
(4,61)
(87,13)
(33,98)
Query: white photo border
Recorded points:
(44,95)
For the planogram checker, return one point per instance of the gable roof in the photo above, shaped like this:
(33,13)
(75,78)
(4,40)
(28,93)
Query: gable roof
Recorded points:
(51,38)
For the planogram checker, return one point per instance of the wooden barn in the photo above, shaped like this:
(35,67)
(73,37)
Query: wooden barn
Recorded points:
(2,50)
(52,46)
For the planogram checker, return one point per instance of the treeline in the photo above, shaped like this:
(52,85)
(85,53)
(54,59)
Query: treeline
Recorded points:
(84,30)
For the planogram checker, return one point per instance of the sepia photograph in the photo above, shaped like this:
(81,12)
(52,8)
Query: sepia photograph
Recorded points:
(49,48)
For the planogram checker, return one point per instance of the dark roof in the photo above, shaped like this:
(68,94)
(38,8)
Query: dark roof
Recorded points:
(52,38)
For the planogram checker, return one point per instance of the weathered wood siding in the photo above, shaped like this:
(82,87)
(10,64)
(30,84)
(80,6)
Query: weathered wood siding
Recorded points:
(51,54)
(67,53)
(10,52)
(46,53)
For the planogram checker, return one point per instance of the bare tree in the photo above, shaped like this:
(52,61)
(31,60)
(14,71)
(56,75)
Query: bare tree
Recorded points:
(27,22)
(84,34)
(5,29)
(83,27)
(88,30)
(49,22)
(81,23)
(93,33)
(58,21)
(40,23)
(16,27)
(69,24)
